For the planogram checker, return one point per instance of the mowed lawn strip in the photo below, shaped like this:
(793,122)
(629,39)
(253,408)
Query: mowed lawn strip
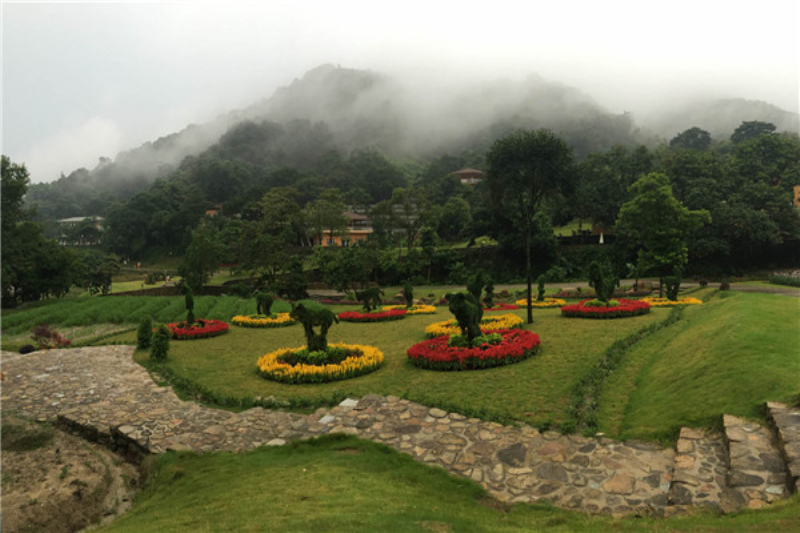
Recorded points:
(340,483)
(729,355)
(535,390)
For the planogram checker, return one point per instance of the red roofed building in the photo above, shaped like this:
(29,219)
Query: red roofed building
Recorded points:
(468,176)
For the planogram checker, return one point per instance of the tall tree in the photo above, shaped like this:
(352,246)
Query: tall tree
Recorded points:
(524,168)
(33,267)
(658,224)
(202,257)
(413,210)
(693,138)
(604,179)
(750,130)
(325,215)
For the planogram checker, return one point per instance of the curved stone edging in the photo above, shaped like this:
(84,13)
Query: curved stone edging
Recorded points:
(102,391)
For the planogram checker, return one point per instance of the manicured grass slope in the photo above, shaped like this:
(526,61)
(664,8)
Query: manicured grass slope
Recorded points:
(535,390)
(343,484)
(92,310)
(729,355)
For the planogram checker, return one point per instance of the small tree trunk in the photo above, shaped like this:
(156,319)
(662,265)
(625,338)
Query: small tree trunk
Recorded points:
(528,273)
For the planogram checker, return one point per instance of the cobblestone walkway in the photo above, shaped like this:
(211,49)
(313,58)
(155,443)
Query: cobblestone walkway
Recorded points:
(103,392)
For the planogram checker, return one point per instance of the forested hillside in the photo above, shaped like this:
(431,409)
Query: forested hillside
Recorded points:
(331,113)
(279,176)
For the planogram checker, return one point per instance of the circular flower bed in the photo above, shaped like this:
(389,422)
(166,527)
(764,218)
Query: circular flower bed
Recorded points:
(594,309)
(378,316)
(199,329)
(413,310)
(264,321)
(341,361)
(664,302)
(513,346)
(501,307)
(548,302)
(450,327)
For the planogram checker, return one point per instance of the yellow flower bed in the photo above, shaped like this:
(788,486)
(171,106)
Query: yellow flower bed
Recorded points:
(450,327)
(363,360)
(263,321)
(413,310)
(663,302)
(548,302)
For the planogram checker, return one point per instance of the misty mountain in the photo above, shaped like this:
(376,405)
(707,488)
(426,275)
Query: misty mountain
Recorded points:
(332,109)
(718,117)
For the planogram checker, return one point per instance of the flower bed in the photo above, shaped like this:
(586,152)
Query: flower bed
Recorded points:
(501,307)
(413,310)
(450,327)
(664,302)
(278,320)
(437,354)
(199,329)
(623,309)
(347,361)
(379,316)
(548,302)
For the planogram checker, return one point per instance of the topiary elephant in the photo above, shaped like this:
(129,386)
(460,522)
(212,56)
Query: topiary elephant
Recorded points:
(468,313)
(311,317)
(370,297)
(264,301)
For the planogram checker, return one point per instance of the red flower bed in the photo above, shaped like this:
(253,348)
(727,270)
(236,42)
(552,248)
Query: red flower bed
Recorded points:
(436,354)
(379,316)
(501,307)
(200,329)
(625,308)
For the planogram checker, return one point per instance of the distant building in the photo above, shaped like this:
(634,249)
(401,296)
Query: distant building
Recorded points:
(214,210)
(468,176)
(359,228)
(81,231)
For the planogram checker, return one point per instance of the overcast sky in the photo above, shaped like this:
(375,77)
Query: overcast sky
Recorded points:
(84,80)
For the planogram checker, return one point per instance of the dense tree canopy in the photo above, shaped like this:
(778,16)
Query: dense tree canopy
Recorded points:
(693,138)
(656,223)
(523,169)
(33,267)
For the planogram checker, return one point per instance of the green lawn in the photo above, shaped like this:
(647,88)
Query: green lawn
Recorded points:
(340,483)
(729,355)
(536,390)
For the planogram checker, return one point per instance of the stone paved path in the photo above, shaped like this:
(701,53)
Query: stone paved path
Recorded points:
(103,392)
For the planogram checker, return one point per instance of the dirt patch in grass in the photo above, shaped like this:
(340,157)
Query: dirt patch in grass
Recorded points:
(56,482)
(76,334)
(436,527)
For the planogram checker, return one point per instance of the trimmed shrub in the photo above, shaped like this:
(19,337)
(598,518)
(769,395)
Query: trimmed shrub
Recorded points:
(540,288)
(672,285)
(144,335)
(408,293)
(603,280)
(160,344)
(189,304)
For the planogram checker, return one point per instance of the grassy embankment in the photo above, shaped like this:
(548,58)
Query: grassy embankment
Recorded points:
(729,355)
(341,483)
